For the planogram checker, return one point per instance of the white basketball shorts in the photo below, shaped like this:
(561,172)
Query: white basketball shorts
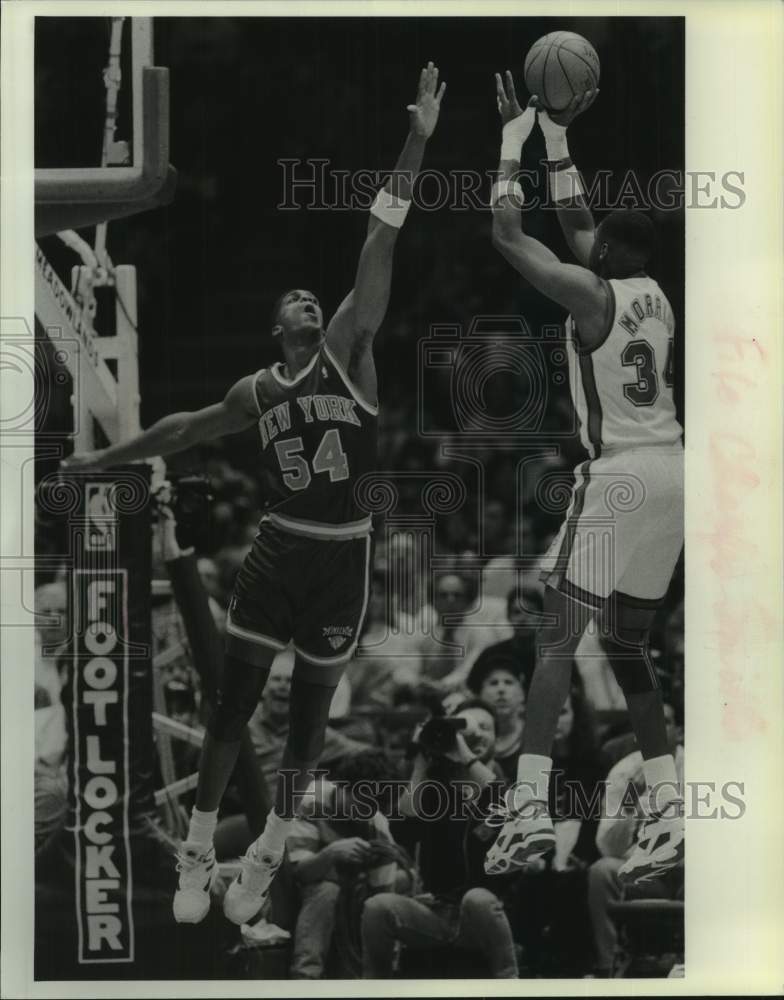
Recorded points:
(623,530)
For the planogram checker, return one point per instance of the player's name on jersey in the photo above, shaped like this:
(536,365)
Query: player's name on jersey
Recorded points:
(313,407)
(641,308)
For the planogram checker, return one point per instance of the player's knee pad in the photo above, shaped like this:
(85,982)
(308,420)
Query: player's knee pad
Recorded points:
(238,697)
(627,652)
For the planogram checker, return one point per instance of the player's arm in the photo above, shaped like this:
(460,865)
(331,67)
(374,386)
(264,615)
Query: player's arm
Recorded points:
(362,311)
(177,431)
(574,215)
(576,288)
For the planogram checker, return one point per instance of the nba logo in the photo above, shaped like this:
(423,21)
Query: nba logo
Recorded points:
(101,518)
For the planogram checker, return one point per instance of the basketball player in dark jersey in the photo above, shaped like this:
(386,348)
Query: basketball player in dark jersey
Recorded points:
(307,576)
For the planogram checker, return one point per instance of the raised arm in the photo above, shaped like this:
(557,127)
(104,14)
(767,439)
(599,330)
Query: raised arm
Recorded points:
(177,431)
(579,290)
(574,215)
(354,325)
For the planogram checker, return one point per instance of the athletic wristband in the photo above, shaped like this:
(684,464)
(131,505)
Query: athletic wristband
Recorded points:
(390,209)
(555,143)
(503,189)
(554,137)
(514,134)
(565,181)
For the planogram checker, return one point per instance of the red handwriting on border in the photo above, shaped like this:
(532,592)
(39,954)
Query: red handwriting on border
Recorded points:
(741,618)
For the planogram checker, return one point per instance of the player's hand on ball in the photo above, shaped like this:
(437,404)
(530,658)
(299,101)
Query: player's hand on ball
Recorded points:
(575,107)
(85,461)
(424,114)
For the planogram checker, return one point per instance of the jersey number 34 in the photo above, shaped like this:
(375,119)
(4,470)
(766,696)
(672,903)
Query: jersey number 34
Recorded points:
(329,457)
(640,354)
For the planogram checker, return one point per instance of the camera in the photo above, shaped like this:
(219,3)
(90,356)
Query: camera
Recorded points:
(438,735)
(188,499)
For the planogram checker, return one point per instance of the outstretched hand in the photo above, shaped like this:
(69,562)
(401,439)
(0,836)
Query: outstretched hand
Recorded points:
(575,107)
(516,123)
(506,98)
(424,113)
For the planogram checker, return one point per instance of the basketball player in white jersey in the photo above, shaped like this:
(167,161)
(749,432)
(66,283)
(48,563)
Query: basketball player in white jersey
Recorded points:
(620,336)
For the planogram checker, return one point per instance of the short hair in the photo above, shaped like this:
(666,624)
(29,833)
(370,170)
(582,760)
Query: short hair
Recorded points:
(633,230)
(278,304)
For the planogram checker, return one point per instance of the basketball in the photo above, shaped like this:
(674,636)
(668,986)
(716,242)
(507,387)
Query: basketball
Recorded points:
(560,66)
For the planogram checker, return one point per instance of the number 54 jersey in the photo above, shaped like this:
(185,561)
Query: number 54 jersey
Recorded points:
(622,389)
(318,437)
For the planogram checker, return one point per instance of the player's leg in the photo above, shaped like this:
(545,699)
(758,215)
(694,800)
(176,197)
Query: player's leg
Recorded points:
(258,627)
(626,623)
(312,688)
(330,612)
(660,845)
(242,685)
(574,592)
(528,833)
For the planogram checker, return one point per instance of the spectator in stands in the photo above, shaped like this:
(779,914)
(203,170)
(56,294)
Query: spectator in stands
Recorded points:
(386,659)
(52,632)
(332,850)
(50,776)
(269,728)
(461,904)
(448,648)
(497,681)
(622,812)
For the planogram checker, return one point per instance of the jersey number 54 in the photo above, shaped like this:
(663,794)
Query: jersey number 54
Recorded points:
(329,457)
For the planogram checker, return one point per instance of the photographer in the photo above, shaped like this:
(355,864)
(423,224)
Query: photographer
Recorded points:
(453,781)
(337,853)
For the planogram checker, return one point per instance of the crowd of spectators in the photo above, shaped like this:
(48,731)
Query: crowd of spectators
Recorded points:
(391,891)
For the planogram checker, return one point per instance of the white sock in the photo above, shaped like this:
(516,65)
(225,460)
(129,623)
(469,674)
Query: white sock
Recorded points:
(661,778)
(202,827)
(273,839)
(533,778)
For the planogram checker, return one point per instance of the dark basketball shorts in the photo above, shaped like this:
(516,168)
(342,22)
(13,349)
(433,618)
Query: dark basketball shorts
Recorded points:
(309,590)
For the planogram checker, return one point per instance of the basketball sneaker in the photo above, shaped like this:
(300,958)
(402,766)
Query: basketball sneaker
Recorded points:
(659,847)
(527,835)
(246,894)
(198,872)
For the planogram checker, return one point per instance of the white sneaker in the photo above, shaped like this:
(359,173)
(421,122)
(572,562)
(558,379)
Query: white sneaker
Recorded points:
(659,848)
(198,872)
(247,892)
(526,836)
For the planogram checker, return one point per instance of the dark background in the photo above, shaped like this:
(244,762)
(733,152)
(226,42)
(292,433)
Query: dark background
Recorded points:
(248,91)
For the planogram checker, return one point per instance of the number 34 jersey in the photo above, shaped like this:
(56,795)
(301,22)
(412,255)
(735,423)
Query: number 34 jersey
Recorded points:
(622,389)
(318,437)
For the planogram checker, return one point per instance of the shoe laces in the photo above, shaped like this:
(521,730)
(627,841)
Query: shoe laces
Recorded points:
(500,814)
(258,866)
(192,867)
